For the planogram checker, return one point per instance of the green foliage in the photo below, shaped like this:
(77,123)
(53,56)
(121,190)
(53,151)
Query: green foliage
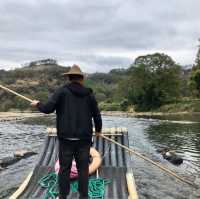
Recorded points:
(150,82)
(109,106)
(190,105)
(194,82)
(6,105)
(154,81)
(114,106)
(20,104)
(124,105)
(197,60)
(100,97)
(104,85)
(121,90)
(36,82)
(42,95)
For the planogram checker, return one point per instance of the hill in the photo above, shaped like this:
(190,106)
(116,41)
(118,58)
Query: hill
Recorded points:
(34,81)
(39,79)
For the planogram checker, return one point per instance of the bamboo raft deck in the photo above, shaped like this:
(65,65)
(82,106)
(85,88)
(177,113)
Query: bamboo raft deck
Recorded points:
(115,166)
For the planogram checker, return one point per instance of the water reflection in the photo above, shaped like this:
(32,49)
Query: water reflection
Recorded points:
(184,138)
(191,117)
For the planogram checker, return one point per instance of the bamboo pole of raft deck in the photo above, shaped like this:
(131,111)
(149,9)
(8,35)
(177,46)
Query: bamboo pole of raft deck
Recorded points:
(15,93)
(22,187)
(171,173)
(131,186)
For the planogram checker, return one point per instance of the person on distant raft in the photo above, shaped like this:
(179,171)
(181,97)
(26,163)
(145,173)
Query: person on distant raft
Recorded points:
(75,107)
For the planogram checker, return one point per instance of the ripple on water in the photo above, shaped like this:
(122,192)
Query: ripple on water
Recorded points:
(146,135)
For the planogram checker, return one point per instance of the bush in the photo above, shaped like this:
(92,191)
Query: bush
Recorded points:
(100,97)
(109,106)
(124,105)
(154,81)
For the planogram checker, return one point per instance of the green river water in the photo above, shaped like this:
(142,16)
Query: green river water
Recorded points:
(146,136)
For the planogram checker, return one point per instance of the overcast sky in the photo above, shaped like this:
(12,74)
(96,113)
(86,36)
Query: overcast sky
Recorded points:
(97,34)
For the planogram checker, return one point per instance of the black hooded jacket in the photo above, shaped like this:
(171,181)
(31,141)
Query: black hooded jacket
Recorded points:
(75,107)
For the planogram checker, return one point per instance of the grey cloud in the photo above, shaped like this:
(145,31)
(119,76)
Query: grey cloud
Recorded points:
(84,30)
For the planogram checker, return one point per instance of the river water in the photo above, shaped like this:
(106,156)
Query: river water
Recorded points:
(146,136)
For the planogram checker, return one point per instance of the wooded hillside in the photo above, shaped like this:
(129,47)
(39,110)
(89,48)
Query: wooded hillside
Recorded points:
(149,83)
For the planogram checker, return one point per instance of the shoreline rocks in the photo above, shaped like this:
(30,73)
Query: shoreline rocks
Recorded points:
(144,114)
(171,156)
(24,154)
(17,116)
(18,155)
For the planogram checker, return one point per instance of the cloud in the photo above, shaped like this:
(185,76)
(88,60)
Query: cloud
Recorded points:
(100,35)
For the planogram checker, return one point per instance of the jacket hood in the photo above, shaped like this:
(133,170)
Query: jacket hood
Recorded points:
(79,90)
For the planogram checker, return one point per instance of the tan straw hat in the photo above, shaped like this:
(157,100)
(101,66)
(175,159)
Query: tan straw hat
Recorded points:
(74,70)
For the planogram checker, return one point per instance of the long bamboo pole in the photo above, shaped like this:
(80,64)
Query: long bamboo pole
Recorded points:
(168,171)
(15,93)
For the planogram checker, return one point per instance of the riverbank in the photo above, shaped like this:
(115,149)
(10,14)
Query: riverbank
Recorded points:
(11,116)
(145,114)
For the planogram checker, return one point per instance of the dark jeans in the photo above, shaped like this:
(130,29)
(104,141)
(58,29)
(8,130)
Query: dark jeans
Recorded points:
(69,149)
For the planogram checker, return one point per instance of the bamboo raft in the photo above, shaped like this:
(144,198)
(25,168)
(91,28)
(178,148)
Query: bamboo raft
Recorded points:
(115,166)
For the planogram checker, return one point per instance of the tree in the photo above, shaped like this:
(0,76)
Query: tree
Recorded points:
(194,81)
(195,77)
(154,81)
(197,60)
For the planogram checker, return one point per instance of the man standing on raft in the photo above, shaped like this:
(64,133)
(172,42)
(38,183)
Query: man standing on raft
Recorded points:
(75,107)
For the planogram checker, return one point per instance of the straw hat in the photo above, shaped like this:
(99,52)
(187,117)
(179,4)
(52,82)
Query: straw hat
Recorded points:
(74,70)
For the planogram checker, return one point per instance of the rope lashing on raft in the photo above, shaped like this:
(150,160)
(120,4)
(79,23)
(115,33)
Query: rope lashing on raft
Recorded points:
(96,186)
